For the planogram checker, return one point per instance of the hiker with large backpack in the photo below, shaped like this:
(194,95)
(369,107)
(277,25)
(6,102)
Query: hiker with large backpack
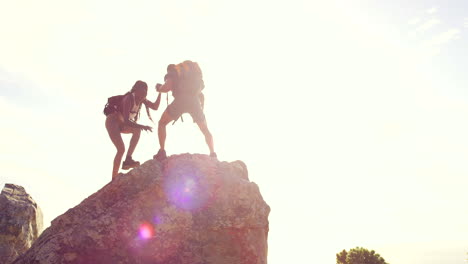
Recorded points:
(122,113)
(185,80)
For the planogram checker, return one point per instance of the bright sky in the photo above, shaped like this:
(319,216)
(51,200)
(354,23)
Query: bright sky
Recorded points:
(351,117)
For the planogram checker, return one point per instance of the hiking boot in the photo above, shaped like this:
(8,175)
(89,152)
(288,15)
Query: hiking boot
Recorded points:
(130,163)
(161,155)
(213,155)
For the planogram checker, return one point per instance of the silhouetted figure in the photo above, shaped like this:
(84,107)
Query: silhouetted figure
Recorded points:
(185,80)
(122,112)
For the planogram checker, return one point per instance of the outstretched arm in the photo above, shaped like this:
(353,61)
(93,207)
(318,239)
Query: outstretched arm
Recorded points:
(154,105)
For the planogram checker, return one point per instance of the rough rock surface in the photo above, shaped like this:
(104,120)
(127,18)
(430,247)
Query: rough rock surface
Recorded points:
(190,209)
(20,222)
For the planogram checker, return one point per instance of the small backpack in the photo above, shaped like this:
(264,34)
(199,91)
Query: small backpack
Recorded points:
(114,104)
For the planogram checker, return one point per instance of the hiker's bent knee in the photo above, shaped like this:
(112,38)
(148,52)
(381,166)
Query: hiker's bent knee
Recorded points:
(120,151)
(162,123)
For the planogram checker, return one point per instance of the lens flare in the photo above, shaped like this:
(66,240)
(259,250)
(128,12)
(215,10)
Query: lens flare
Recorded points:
(184,192)
(146,231)
(157,220)
(187,191)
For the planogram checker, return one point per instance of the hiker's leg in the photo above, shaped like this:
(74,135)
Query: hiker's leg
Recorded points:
(206,132)
(134,140)
(113,128)
(165,119)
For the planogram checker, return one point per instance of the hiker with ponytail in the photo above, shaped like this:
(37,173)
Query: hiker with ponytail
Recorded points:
(122,113)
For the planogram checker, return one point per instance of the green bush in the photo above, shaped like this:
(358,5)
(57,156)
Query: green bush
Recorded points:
(359,255)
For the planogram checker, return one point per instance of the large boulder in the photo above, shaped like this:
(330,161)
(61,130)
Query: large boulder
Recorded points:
(190,209)
(20,222)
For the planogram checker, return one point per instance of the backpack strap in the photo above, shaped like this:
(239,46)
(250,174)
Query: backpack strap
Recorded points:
(181,119)
(137,114)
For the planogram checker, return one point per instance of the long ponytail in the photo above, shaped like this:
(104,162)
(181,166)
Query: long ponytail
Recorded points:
(148,113)
(141,85)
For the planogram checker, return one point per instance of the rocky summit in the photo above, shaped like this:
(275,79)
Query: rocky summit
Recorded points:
(189,209)
(20,222)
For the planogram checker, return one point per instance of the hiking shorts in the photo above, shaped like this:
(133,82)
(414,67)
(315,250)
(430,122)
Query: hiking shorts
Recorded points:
(186,105)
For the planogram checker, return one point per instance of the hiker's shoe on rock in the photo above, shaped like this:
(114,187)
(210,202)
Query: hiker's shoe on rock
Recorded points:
(161,155)
(130,163)
(213,155)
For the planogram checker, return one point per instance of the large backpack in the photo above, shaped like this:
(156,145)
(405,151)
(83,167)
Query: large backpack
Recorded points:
(189,79)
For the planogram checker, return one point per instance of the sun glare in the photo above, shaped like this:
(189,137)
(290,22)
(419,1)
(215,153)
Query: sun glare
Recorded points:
(146,231)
